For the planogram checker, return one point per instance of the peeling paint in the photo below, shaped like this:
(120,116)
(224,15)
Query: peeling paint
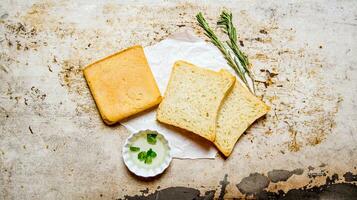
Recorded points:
(223,184)
(349,177)
(283,175)
(177,193)
(253,184)
(329,190)
(335,191)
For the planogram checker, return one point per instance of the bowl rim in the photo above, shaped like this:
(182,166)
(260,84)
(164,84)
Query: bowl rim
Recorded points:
(134,168)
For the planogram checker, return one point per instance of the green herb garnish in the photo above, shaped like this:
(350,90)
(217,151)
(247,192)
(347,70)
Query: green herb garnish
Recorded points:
(230,50)
(142,155)
(148,160)
(151,138)
(147,156)
(151,153)
(134,149)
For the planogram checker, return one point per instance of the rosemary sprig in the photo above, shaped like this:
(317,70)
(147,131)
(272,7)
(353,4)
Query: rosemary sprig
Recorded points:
(241,67)
(226,23)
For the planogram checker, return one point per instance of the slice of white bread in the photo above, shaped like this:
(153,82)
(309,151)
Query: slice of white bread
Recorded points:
(238,111)
(193,97)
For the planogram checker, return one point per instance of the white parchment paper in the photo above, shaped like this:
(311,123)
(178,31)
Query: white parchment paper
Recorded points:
(161,57)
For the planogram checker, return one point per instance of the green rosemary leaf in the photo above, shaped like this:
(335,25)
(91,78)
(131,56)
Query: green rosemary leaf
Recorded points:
(234,56)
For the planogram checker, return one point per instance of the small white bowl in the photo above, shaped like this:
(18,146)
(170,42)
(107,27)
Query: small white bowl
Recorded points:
(138,170)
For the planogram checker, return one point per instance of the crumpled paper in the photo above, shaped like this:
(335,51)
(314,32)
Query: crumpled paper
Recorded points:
(161,57)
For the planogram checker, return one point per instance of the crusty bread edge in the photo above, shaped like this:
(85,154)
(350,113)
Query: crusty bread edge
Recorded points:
(177,63)
(261,114)
(227,153)
(107,120)
(114,54)
(228,91)
(211,137)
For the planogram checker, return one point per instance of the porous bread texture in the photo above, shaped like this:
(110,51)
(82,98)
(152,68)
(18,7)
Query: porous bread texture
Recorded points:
(193,97)
(122,84)
(238,111)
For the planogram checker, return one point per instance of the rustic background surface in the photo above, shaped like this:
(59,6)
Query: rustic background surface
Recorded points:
(53,144)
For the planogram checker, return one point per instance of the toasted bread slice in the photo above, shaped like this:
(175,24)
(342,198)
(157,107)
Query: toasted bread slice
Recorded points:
(238,111)
(122,84)
(193,97)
